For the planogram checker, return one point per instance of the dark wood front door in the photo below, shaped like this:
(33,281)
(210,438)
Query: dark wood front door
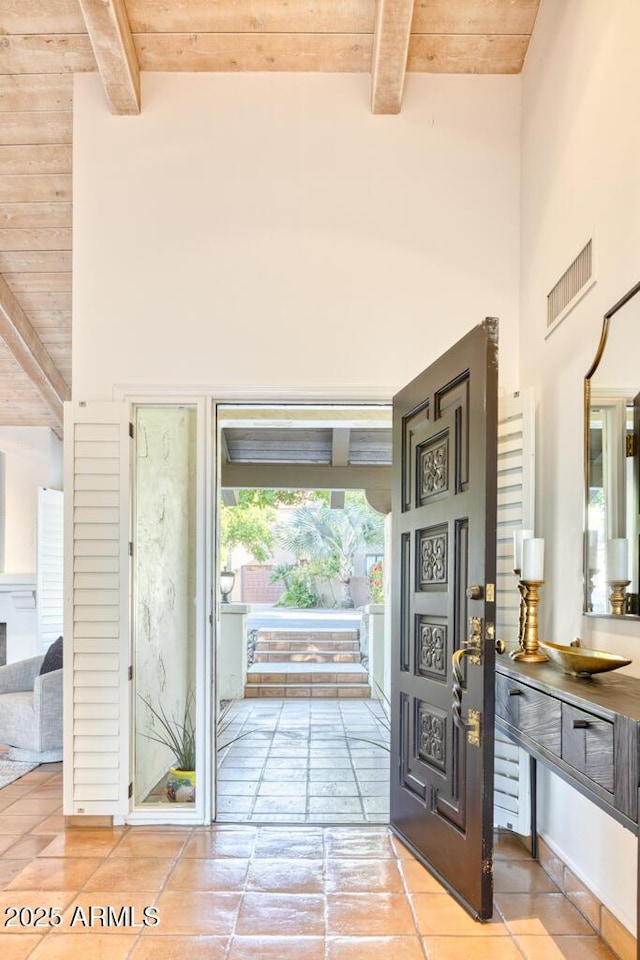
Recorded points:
(444,556)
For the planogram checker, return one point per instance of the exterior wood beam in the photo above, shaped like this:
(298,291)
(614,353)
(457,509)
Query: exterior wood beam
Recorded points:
(26,346)
(307,476)
(114,50)
(339,458)
(390,49)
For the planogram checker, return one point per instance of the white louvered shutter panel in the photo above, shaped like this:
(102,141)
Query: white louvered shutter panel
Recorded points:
(97,608)
(49,587)
(516,473)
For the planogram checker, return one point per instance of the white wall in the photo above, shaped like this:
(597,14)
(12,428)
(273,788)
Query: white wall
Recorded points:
(32,458)
(267,232)
(580,162)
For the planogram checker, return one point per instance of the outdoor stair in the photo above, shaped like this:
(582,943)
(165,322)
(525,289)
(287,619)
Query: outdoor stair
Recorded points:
(307,664)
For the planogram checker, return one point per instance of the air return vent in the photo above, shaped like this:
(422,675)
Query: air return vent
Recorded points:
(571,286)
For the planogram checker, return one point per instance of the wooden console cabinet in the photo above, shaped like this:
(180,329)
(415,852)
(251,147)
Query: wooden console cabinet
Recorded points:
(586,731)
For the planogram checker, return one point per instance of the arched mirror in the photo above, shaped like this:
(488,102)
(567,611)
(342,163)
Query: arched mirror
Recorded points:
(612,464)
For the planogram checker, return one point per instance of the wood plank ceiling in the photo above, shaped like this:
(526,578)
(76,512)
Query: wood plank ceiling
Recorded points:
(43,42)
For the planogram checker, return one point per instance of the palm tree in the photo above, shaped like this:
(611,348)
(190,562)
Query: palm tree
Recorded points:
(316,532)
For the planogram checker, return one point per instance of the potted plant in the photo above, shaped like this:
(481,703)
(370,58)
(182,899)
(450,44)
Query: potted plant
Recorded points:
(178,733)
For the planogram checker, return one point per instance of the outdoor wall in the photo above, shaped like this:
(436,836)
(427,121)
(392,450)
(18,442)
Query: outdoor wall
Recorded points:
(580,161)
(30,457)
(266,233)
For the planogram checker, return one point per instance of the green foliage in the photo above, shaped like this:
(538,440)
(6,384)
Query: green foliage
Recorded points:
(177,732)
(298,585)
(376,583)
(299,595)
(250,523)
(317,534)
(281,571)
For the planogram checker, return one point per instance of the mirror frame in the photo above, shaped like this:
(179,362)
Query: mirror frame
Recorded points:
(606,323)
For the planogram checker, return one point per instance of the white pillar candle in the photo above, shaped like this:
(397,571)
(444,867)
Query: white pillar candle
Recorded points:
(617,559)
(593,549)
(533,558)
(518,537)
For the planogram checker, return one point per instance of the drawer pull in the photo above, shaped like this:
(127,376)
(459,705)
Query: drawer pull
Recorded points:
(514,692)
(581,724)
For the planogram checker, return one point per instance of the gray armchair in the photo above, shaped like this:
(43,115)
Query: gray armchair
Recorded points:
(31,711)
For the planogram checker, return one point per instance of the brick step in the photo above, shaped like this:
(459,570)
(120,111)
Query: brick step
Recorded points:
(361,691)
(305,656)
(321,646)
(322,677)
(307,636)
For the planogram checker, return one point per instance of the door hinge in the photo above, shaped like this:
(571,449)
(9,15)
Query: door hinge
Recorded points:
(131,672)
(130,548)
(473,643)
(631,445)
(473,728)
(131,430)
(130,790)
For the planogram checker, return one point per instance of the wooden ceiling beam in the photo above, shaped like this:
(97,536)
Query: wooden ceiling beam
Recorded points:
(114,50)
(26,346)
(339,458)
(304,476)
(390,49)
(229,496)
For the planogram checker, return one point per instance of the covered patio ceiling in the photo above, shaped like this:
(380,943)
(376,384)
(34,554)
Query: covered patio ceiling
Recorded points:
(307,448)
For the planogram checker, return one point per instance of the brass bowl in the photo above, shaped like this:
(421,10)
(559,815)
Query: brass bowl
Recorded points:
(580,662)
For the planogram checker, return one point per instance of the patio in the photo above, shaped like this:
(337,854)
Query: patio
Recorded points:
(304,761)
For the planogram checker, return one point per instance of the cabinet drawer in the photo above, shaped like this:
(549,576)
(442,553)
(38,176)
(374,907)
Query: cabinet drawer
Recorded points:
(534,714)
(587,745)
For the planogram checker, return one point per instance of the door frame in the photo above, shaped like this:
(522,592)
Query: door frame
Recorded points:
(141,814)
(235,402)
(207,400)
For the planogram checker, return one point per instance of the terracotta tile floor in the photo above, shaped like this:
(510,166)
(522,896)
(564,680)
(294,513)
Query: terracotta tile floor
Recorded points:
(256,893)
(304,761)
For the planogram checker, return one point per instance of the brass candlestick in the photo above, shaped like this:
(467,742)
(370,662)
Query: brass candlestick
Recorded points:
(618,596)
(521,616)
(530,652)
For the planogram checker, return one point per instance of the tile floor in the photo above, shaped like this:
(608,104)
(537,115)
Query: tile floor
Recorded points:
(304,761)
(248,892)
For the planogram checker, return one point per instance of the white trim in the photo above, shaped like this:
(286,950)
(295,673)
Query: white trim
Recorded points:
(141,392)
(207,402)
(17,581)
(211,624)
(145,815)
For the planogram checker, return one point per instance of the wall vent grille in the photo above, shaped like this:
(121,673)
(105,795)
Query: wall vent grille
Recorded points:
(572,284)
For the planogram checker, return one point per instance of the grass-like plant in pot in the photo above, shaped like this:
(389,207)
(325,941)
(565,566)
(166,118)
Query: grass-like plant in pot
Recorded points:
(178,733)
